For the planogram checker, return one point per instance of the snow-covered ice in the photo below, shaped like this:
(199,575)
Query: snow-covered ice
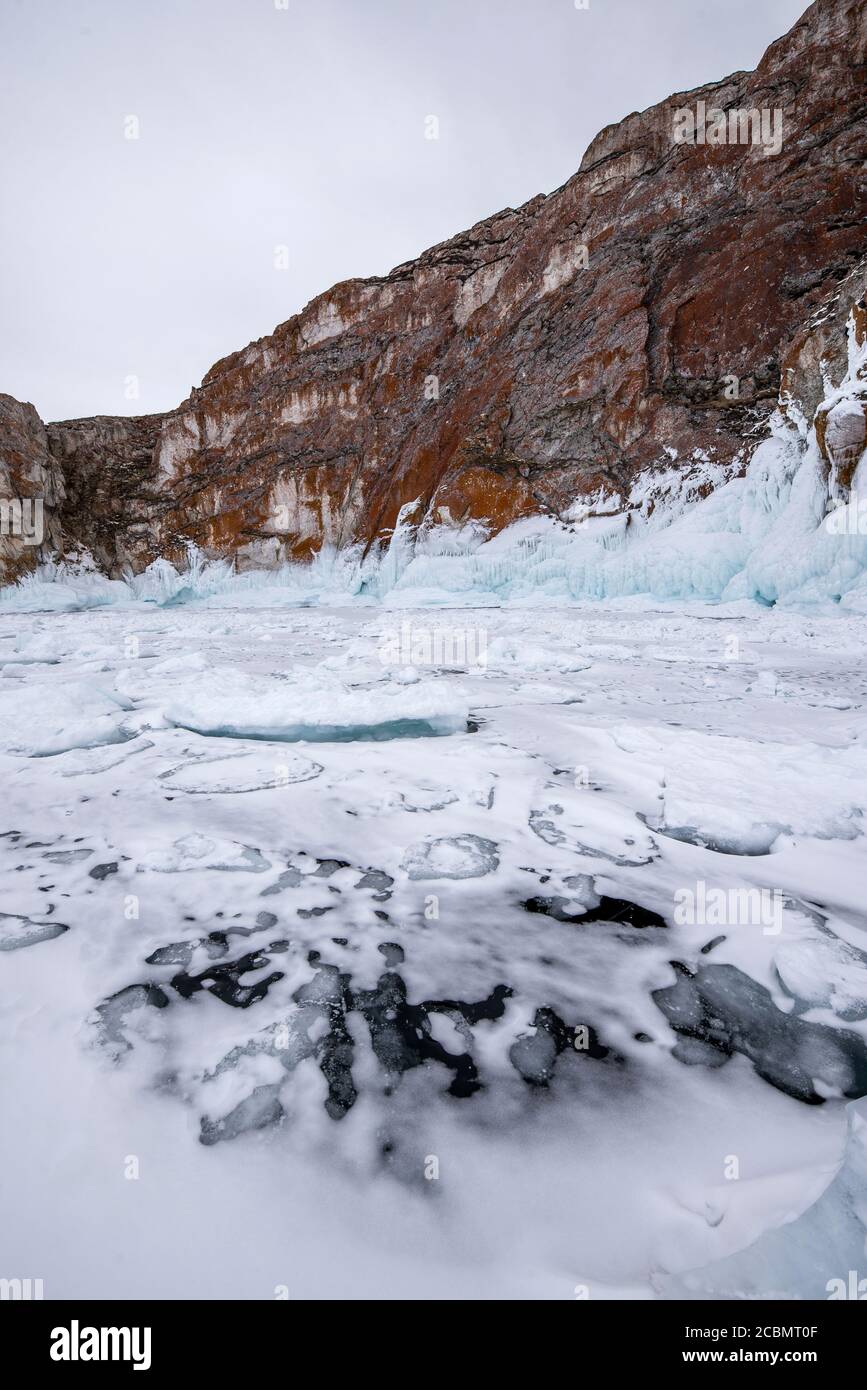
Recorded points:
(493,978)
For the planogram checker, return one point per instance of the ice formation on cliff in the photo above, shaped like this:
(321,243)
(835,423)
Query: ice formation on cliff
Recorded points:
(787,531)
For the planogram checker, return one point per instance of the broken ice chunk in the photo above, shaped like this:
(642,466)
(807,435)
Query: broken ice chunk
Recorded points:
(312,705)
(590,825)
(17,931)
(67,856)
(113,1014)
(257,770)
(199,852)
(56,718)
(822,970)
(258,1110)
(452,856)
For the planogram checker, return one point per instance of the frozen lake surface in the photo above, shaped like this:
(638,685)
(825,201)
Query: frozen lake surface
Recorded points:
(491,952)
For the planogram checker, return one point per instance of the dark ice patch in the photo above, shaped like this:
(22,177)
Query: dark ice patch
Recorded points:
(224,981)
(101,871)
(534,1055)
(616,910)
(728,1012)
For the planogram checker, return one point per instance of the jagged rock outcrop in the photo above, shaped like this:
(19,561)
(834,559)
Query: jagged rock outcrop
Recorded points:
(659,300)
(819,354)
(31,490)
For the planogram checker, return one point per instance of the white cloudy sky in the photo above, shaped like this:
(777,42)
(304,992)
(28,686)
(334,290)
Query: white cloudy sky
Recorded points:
(301,126)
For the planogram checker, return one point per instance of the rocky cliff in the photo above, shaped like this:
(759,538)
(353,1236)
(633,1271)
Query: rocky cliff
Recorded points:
(695,268)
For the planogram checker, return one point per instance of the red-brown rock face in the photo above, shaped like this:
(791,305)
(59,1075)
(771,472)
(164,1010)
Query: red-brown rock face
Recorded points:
(651,302)
(31,490)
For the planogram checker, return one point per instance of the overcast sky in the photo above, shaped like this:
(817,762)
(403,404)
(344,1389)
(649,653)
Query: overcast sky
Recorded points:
(287,123)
